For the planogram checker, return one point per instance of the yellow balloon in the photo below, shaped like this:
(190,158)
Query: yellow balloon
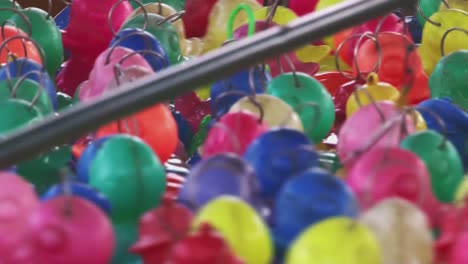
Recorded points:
(455,4)
(217,24)
(337,240)
(311,53)
(402,231)
(243,229)
(430,49)
(372,91)
(462,191)
(419,121)
(203,92)
(282,16)
(329,64)
(322,4)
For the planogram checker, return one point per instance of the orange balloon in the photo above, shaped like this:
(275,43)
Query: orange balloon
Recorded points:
(15,43)
(154,125)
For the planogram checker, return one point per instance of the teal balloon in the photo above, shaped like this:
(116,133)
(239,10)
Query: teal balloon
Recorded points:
(442,161)
(6,14)
(126,233)
(318,121)
(178,5)
(166,33)
(428,7)
(44,170)
(47,35)
(450,78)
(64,101)
(129,174)
(16,114)
(29,91)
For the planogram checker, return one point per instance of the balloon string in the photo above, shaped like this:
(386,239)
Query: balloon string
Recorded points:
(251,20)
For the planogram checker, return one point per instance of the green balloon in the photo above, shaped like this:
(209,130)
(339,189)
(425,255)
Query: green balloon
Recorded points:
(178,5)
(27,90)
(126,234)
(129,174)
(442,161)
(43,171)
(317,124)
(428,7)
(166,33)
(47,35)
(16,114)
(329,161)
(450,78)
(200,136)
(6,14)
(64,101)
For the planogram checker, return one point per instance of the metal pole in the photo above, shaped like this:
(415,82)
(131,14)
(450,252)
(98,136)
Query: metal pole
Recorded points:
(164,85)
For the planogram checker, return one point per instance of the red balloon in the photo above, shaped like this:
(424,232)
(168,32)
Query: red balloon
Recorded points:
(154,125)
(19,47)
(302,7)
(160,229)
(86,36)
(192,109)
(233,133)
(204,247)
(331,80)
(69,229)
(196,17)
(341,98)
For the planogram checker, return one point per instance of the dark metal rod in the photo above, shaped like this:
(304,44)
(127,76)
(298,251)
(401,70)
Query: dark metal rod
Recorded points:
(164,85)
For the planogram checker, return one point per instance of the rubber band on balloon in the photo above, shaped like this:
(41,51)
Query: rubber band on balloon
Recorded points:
(172,18)
(112,10)
(446,4)
(356,50)
(22,15)
(66,2)
(142,53)
(138,32)
(23,77)
(439,121)
(371,99)
(356,53)
(297,83)
(272,12)
(442,41)
(421,12)
(251,98)
(49,9)
(298,108)
(232,17)
(25,38)
(248,185)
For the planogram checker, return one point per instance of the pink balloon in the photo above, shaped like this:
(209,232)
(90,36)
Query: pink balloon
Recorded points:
(233,133)
(458,253)
(392,172)
(18,201)
(359,129)
(71,230)
(104,70)
(287,62)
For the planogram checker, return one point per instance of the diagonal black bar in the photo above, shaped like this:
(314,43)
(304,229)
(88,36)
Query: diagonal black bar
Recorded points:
(169,83)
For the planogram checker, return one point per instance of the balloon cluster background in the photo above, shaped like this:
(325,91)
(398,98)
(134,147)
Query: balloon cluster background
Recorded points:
(352,149)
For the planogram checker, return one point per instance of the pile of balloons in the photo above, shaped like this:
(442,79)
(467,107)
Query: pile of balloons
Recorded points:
(352,149)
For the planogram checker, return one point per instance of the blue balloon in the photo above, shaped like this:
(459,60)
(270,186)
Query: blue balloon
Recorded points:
(141,41)
(22,66)
(63,18)
(415,29)
(308,198)
(224,174)
(183,128)
(80,190)
(249,81)
(194,160)
(277,155)
(454,122)
(87,157)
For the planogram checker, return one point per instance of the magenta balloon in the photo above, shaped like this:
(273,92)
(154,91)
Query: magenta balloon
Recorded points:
(392,172)
(364,124)
(104,70)
(310,68)
(458,253)
(233,133)
(18,201)
(71,230)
